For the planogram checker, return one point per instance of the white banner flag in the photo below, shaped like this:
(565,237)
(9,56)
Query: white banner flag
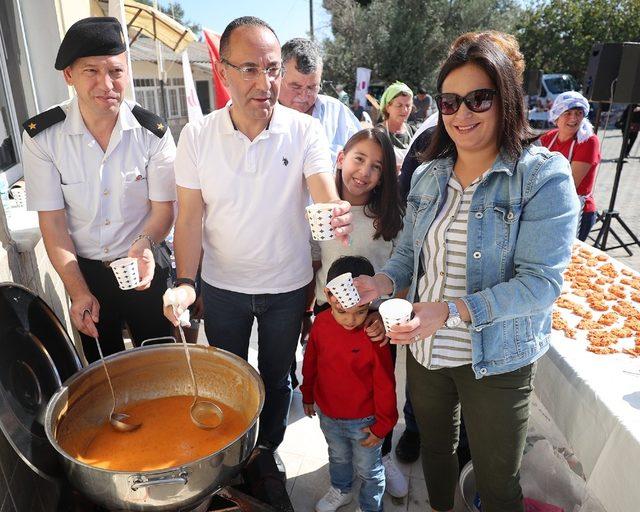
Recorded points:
(363,75)
(193,104)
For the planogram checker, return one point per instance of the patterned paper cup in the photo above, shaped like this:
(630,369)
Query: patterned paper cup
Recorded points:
(320,215)
(20,196)
(395,312)
(126,271)
(343,289)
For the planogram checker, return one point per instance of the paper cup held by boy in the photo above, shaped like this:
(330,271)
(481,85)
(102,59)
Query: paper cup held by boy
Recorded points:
(320,215)
(126,271)
(343,289)
(395,312)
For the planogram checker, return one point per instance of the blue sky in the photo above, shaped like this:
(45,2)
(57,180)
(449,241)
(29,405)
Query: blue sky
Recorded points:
(289,18)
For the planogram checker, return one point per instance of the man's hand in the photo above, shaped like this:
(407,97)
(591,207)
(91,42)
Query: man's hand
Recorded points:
(428,318)
(178,299)
(374,328)
(85,323)
(141,250)
(341,221)
(372,440)
(309,410)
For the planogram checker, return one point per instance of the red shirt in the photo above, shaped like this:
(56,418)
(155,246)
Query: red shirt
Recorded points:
(588,152)
(348,376)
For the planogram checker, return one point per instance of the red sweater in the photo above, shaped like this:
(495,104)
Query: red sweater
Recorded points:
(587,152)
(348,376)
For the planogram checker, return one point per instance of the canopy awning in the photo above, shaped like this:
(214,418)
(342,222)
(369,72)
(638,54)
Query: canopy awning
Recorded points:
(144,19)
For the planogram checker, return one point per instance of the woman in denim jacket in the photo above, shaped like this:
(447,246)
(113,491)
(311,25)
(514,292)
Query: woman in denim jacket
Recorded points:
(488,231)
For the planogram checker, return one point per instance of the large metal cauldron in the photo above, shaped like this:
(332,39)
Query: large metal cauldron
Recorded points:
(146,373)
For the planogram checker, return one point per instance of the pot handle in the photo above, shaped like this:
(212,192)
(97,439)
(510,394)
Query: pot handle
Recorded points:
(159,340)
(141,482)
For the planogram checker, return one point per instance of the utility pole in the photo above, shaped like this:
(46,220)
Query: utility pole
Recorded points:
(311,19)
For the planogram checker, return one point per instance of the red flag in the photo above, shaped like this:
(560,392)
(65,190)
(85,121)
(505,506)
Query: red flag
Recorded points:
(213,43)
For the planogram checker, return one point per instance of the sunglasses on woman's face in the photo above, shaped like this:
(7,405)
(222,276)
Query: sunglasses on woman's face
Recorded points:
(477,101)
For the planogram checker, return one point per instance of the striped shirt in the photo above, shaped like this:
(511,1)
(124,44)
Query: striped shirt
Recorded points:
(444,259)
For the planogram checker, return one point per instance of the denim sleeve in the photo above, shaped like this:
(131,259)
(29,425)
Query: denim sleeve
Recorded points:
(546,235)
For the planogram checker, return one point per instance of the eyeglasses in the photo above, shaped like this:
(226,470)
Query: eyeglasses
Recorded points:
(299,90)
(477,101)
(253,72)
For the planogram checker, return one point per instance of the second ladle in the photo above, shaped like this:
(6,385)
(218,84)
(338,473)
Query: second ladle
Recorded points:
(204,413)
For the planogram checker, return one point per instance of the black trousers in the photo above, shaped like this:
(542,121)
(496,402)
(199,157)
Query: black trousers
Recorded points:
(141,311)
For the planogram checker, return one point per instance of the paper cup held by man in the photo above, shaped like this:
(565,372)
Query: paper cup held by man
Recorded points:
(126,271)
(320,215)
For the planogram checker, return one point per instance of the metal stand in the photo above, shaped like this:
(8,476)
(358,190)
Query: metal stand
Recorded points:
(596,123)
(611,214)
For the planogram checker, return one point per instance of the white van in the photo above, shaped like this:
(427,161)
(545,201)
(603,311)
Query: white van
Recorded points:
(551,85)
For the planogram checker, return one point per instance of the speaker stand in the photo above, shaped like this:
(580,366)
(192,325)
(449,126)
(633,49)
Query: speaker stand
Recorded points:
(610,214)
(596,123)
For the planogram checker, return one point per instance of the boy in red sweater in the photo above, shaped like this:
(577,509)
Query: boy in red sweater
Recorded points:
(351,381)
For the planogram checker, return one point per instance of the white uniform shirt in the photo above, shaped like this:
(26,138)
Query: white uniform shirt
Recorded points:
(106,194)
(255,234)
(338,122)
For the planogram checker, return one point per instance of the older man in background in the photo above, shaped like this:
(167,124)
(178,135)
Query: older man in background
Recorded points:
(301,84)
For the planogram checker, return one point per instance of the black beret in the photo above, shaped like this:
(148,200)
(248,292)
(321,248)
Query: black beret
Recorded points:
(89,37)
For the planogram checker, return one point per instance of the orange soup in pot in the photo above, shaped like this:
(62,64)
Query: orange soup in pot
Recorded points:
(166,438)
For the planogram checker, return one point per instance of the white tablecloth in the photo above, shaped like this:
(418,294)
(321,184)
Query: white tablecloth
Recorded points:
(595,401)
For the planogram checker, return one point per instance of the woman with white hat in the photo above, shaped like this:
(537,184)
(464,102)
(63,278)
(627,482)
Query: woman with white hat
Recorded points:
(574,138)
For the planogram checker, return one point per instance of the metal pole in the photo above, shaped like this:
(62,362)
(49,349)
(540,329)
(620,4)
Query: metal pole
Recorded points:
(596,123)
(311,19)
(160,65)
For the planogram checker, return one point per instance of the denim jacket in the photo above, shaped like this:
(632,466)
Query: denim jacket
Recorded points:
(521,227)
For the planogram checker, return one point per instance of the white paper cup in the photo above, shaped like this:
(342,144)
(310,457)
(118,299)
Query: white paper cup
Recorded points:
(20,196)
(320,215)
(395,312)
(343,289)
(126,271)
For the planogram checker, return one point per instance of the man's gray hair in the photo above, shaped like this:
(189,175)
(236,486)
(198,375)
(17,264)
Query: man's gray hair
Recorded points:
(306,53)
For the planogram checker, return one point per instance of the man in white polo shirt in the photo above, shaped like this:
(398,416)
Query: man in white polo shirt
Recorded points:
(242,174)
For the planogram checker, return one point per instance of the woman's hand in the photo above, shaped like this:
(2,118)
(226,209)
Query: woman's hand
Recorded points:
(428,318)
(309,410)
(374,328)
(371,440)
(370,288)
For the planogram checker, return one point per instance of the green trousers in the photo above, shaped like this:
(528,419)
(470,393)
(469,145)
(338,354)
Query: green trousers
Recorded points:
(496,414)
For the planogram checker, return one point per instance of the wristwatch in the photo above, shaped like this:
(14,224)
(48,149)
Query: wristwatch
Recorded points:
(453,320)
(185,280)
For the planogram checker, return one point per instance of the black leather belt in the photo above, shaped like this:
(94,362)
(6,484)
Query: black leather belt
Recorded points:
(107,264)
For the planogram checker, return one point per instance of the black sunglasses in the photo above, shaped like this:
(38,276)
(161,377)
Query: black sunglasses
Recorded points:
(478,101)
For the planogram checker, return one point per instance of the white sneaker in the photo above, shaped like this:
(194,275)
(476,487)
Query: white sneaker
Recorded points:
(396,483)
(333,500)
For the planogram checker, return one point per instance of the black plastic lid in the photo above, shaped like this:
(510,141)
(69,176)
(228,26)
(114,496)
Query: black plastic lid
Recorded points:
(36,357)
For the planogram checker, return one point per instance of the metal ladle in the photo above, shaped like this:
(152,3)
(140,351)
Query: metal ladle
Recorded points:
(116,419)
(204,413)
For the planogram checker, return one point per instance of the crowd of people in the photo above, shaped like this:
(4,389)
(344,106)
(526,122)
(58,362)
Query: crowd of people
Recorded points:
(461,211)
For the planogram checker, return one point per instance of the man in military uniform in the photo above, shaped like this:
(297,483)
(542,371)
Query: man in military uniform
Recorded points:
(99,172)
